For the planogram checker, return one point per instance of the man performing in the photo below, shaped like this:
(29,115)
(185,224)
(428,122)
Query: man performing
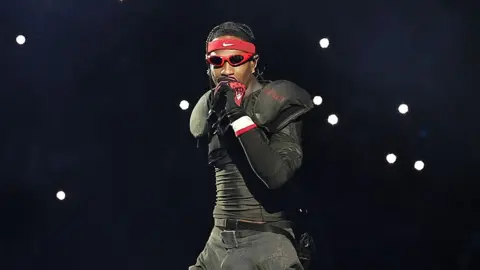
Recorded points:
(253,130)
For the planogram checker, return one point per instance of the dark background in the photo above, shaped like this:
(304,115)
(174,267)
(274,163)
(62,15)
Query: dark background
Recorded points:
(89,105)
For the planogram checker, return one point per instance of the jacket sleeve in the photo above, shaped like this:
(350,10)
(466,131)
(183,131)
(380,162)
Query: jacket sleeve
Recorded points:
(274,160)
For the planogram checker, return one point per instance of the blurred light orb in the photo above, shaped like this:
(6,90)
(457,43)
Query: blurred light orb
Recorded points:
(184,105)
(317,100)
(324,43)
(61,195)
(21,39)
(332,119)
(403,108)
(419,165)
(391,158)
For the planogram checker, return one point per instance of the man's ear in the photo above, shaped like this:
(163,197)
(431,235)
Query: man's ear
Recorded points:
(255,61)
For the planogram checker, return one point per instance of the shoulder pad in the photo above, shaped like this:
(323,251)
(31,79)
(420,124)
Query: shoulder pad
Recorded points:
(279,103)
(198,118)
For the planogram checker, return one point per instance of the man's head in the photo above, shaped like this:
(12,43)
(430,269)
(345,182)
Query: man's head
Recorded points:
(230,51)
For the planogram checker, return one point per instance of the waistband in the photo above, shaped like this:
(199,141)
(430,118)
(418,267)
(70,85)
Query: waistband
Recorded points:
(235,224)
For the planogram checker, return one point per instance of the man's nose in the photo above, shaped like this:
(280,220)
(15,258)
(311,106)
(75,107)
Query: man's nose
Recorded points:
(227,69)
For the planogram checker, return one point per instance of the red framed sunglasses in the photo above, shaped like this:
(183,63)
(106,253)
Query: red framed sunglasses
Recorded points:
(234,59)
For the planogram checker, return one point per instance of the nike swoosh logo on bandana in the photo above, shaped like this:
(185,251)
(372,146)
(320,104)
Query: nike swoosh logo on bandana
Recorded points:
(227,44)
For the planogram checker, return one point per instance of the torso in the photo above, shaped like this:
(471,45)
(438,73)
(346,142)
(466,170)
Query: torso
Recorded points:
(233,197)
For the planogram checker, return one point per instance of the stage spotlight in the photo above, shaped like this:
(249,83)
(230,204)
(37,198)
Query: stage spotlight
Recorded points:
(184,105)
(332,119)
(317,100)
(403,108)
(419,165)
(324,42)
(21,39)
(391,158)
(61,195)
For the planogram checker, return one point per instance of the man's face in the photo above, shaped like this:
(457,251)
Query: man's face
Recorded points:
(243,73)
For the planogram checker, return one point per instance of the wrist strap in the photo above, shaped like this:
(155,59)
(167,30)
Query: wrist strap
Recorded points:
(242,125)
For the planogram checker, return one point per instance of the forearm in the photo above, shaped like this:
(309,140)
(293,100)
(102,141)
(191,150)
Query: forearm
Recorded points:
(272,165)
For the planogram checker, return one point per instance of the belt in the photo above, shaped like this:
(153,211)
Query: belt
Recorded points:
(277,227)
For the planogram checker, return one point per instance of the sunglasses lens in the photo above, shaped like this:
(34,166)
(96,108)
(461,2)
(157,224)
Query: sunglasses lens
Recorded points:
(236,59)
(215,60)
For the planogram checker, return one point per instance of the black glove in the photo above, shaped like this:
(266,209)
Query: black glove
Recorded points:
(225,107)
(218,101)
(229,95)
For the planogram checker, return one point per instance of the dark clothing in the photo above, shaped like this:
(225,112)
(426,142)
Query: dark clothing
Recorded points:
(247,250)
(270,158)
(234,197)
(234,200)
(248,171)
(273,158)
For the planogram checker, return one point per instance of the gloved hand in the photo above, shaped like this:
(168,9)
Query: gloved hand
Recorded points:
(228,97)
(231,92)
(218,100)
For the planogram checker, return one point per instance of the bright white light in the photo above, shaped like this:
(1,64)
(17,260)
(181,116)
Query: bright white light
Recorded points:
(61,195)
(391,158)
(403,108)
(332,119)
(324,42)
(21,39)
(419,165)
(184,104)
(317,100)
